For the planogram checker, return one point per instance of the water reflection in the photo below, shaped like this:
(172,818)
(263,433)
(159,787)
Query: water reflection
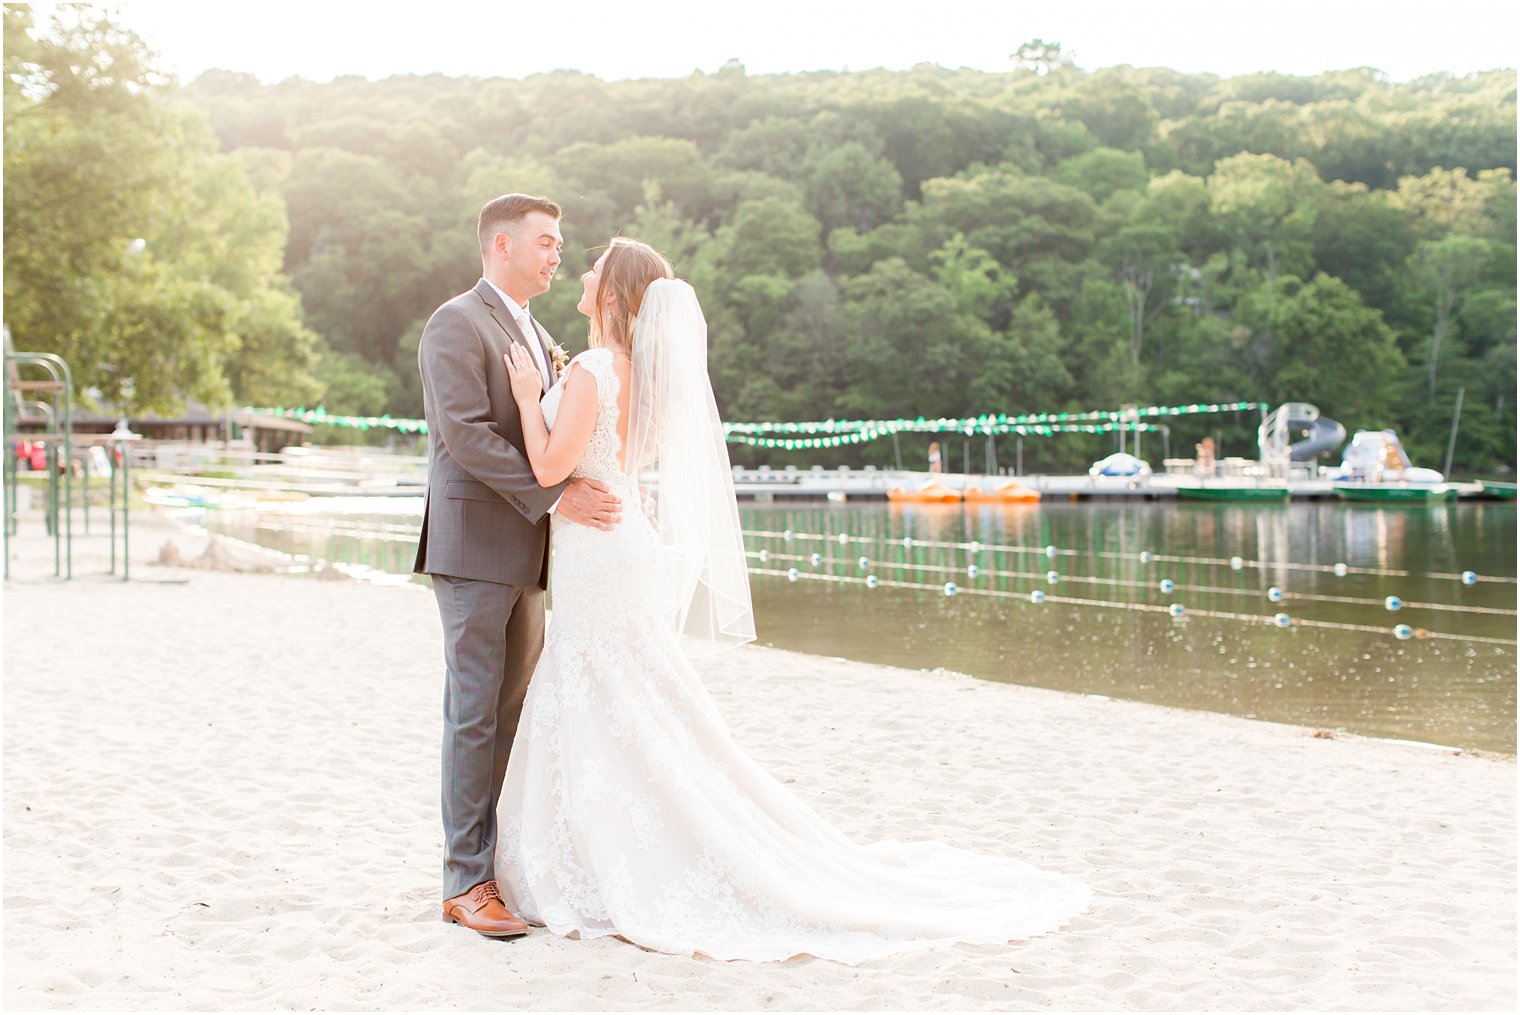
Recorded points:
(1453,692)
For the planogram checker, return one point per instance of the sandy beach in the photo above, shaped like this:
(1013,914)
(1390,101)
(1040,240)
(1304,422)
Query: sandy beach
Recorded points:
(221,792)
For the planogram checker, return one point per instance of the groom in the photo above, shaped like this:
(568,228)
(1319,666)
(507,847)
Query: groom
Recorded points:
(485,535)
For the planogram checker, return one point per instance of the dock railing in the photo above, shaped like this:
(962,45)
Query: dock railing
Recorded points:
(317,471)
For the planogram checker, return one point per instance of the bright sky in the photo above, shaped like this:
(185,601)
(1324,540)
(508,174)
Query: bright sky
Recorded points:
(672,38)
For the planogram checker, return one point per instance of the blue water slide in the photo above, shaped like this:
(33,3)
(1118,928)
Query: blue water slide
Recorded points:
(1324,435)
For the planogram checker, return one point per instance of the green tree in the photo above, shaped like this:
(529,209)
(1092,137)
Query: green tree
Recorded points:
(1361,238)
(848,186)
(1268,206)
(1448,268)
(1114,108)
(132,249)
(1449,201)
(1019,369)
(776,146)
(353,387)
(1040,56)
(620,171)
(1142,259)
(1327,348)
(1017,219)
(360,254)
(878,242)
(769,237)
(1103,172)
(903,357)
(1099,349)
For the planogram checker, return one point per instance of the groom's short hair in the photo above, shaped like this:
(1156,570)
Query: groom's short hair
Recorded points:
(499,215)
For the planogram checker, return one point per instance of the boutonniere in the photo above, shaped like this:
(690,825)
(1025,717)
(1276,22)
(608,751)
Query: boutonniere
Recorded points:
(558,356)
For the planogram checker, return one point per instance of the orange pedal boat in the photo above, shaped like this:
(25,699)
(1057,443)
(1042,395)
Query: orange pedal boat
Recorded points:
(932,492)
(1010,492)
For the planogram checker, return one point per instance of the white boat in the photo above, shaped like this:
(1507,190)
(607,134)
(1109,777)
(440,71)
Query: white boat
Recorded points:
(1120,464)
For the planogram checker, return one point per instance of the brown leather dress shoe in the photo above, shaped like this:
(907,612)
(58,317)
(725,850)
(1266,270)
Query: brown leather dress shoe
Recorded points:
(481,910)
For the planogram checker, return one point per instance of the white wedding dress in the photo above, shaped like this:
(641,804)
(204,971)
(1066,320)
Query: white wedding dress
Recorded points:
(628,808)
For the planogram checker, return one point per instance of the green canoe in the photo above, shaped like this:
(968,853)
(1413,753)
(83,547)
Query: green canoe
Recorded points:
(1379,493)
(1273,494)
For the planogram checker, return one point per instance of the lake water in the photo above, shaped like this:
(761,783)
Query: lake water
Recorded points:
(1103,627)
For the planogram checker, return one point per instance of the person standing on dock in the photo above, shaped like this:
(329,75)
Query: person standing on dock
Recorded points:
(1205,452)
(485,535)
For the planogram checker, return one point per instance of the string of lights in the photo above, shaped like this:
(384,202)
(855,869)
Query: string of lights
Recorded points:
(840,432)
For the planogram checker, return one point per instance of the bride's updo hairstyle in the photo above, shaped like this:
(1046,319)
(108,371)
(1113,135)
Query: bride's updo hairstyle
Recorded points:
(627,272)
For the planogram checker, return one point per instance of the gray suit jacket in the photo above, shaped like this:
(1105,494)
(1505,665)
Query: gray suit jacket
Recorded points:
(486,516)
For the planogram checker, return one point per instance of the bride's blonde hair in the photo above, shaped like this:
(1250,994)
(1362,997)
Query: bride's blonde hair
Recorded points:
(627,272)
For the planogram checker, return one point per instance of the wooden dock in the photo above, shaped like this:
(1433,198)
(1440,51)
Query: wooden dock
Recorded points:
(818,483)
(365,472)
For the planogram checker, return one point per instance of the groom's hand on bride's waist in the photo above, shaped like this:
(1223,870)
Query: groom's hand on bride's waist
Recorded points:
(587,502)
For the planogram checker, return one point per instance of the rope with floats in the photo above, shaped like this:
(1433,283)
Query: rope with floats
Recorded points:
(1164,585)
(1177,611)
(1339,569)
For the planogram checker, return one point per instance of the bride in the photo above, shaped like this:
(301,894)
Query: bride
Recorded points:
(628,808)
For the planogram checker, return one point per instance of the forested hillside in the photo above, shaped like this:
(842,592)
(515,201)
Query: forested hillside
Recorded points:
(932,242)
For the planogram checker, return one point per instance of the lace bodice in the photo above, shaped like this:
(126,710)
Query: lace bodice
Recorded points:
(600,460)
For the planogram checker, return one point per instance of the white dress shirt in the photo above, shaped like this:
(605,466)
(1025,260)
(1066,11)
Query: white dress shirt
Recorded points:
(525,324)
(536,347)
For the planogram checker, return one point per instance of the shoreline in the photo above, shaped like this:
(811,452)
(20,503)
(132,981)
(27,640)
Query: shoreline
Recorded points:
(221,791)
(1487,740)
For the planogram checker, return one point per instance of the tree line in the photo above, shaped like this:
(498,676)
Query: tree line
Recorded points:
(867,245)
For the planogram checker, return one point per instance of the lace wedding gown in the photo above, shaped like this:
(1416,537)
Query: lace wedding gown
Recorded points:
(628,808)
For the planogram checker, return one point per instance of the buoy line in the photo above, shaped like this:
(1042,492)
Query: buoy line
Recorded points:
(1164,585)
(1143,556)
(1177,610)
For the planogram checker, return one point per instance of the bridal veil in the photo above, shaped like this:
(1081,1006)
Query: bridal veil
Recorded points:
(677,452)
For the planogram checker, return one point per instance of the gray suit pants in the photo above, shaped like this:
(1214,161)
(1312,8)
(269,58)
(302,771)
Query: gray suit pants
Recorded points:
(492,637)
